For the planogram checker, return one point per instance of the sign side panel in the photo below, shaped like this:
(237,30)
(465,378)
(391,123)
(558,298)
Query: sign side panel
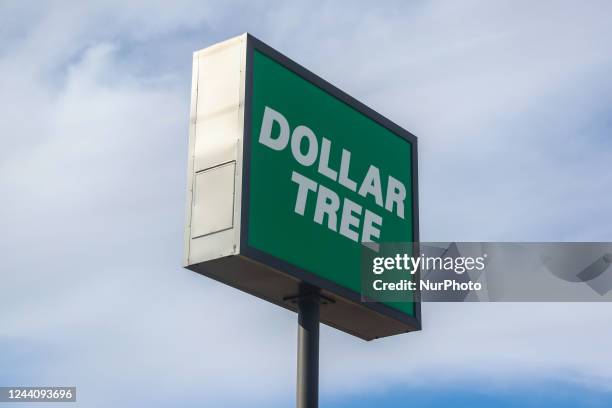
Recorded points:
(190,158)
(240,144)
(216,162)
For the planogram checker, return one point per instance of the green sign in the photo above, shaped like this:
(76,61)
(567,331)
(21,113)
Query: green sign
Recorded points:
(324,178)
(292,182)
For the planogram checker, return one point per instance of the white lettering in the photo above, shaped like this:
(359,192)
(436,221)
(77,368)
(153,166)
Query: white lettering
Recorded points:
(327,203)
(396,193)
(305,185)
(371,185)
(265,135)
(299,133)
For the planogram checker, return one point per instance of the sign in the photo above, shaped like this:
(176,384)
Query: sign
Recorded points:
(289,180)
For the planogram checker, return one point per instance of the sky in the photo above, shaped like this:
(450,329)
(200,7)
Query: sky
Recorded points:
(510,100)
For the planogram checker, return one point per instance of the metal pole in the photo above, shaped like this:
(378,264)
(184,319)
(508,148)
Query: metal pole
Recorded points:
(308,351)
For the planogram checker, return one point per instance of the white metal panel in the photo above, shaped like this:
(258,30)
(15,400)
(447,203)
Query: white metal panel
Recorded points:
(213,246)
(218,104)
(213,200)
(219,78)
(239,146)
(216,135)
(216,139)
(190,161)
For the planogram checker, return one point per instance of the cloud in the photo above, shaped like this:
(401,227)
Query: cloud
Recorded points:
(509,100)
(496,344)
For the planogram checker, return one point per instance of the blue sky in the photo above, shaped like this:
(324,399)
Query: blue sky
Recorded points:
(511,102)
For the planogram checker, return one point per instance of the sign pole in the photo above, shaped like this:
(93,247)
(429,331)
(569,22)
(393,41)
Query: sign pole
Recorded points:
(308,350)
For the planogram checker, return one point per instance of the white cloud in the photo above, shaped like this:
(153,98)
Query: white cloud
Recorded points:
(506,100)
